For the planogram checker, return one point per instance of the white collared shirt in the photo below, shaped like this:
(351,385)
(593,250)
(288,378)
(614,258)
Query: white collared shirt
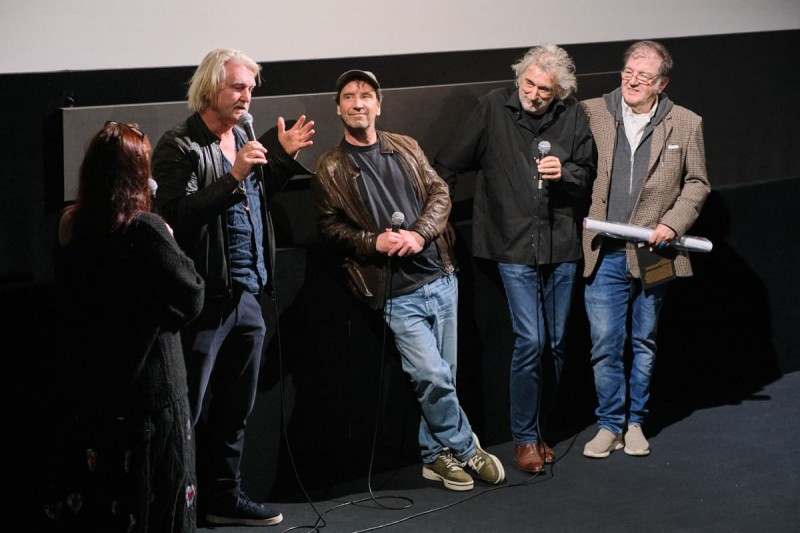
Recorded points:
(635,123)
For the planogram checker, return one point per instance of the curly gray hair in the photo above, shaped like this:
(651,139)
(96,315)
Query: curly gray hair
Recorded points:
(553,60)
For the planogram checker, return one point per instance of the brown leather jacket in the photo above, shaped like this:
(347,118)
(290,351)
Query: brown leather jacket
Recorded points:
(346,223)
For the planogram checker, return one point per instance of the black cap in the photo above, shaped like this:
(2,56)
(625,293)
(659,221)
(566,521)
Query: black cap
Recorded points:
(363,75)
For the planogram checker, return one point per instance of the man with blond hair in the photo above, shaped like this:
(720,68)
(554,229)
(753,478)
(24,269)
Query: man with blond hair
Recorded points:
(213,186)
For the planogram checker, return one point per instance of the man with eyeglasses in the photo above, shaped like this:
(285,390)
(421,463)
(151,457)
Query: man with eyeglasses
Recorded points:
(651,172)
(532,146)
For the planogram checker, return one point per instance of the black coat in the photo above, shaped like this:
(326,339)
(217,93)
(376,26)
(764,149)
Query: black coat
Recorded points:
(194,192)
(512,218)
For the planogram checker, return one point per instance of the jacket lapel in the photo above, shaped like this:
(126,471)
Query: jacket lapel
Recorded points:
(660,135)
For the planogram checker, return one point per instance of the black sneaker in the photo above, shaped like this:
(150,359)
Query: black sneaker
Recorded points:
(243,512)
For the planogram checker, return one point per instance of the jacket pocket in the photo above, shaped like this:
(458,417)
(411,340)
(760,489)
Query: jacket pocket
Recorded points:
(356,280)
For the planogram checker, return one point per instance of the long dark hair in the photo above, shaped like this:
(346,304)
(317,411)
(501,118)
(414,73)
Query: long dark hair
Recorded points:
(113,187)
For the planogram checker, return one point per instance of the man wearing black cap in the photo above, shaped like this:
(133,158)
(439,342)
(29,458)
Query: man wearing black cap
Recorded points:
(384,207)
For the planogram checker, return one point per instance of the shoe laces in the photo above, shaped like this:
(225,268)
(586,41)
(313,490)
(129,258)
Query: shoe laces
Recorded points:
(244,502)
(450,462)
(478,461)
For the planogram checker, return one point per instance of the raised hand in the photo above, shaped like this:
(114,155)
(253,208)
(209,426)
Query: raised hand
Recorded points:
(297,137)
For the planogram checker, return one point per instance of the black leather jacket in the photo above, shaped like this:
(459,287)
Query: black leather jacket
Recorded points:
(346,223)
(194,192)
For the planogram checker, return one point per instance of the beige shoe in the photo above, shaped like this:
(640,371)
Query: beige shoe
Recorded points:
(635,443)
(602,444)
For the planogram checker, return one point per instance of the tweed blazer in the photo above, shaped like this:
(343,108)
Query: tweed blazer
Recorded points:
(674,189)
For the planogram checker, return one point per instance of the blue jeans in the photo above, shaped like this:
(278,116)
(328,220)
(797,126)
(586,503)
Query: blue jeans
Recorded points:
(539,302)
(424,323)
(609,298)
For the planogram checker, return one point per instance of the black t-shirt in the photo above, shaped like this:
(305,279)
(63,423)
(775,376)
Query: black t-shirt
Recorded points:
(386,189)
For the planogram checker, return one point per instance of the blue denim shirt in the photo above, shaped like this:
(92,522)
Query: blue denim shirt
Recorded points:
(246,236)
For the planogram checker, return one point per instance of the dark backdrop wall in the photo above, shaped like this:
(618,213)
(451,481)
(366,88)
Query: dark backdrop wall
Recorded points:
(331,373)
(741,84)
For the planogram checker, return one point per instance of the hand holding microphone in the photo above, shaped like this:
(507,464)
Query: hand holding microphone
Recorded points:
(397,220)
(548,167)
(397,241)
(387,241)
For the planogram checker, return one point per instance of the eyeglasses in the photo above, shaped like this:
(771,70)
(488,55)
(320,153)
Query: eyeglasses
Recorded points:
(640,77)
(134,127)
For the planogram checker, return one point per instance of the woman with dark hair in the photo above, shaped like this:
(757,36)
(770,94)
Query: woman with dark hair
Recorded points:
(126,289)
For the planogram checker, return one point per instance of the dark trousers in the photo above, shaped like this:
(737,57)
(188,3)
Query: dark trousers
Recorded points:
(223,358)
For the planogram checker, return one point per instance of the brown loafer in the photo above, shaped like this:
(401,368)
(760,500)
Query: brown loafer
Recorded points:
(529,458)
(547,452)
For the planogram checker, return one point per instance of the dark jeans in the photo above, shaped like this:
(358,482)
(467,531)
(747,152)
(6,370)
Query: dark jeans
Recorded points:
(222,361)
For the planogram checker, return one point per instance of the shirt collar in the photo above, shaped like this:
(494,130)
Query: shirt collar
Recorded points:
(628,112)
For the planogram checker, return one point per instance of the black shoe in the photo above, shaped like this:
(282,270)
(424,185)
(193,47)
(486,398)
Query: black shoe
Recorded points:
(242,511)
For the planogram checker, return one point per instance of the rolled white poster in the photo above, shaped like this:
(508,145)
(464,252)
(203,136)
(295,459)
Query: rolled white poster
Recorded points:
(629,232)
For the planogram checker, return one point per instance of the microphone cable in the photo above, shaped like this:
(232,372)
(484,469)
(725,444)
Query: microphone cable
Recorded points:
(552,332)
(320,523)
(532,479)
(246,121)
(384,342)
(372,497)
(397,220)
(543,148)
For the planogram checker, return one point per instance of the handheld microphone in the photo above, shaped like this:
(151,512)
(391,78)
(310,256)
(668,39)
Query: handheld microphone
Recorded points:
(246,122)
(153,186)
(397,220)
(544,149)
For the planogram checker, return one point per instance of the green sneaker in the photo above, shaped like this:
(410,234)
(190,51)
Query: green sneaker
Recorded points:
(448,470)
(487,466)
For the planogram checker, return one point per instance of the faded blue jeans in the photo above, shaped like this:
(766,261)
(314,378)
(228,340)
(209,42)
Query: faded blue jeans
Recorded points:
(424,324)
(539,300)
(610,297)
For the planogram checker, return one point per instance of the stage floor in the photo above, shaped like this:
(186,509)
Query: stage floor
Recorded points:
(725,468)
